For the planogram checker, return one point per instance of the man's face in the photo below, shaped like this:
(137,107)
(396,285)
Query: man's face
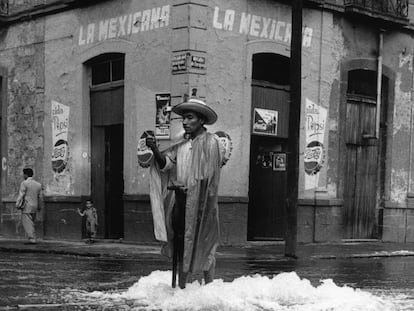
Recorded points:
(192,122)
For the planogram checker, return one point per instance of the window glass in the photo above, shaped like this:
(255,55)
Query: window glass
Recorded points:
(107,68)
(271,67)
(362,82)
(101,73)
(118,69)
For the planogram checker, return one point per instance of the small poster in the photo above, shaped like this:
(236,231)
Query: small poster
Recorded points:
(265,121)
(163,116)
(279,161)
(198,62)
(179,63)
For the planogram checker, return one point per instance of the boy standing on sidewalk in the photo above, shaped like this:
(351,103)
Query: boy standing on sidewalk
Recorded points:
(91,220)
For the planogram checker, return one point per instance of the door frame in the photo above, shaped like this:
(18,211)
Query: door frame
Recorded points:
(100,131)
(346,67)
(280,139)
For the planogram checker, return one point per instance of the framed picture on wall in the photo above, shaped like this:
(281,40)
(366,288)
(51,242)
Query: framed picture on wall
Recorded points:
(279,161)
(265,121)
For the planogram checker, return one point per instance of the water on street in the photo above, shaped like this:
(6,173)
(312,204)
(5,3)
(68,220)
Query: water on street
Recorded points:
(48,281)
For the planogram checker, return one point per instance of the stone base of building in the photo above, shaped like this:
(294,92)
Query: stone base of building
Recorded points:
(320,220)
(138,224)
(398,224)
(60,219)
(11,224)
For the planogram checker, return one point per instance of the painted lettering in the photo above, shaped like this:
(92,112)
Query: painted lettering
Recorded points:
(255,25)
(272,29)
(112,28)
(82,40)
(123,25)
(103,30)
(155,17)
(228,20)
(122,21)
(216,23)
(266,23)
(165,16)
(136,22)
(288,33)
(129,24)
(90,33)
(146,19)
(279,26)
(245,23)
(259,26)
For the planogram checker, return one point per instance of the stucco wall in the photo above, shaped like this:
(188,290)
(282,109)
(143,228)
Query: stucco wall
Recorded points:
(147,72)
(21,53)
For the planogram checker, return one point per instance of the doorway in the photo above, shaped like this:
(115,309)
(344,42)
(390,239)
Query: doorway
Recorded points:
(364,154)
(107,143)
(268,143)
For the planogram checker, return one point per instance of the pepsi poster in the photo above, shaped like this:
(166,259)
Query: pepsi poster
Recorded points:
(314,156)
(60,127)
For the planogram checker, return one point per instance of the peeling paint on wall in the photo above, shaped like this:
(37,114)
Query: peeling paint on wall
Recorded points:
(399,185)
(402,106)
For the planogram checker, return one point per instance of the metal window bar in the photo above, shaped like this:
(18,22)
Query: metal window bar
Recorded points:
(397,8)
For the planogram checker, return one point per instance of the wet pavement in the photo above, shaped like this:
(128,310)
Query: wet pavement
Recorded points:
(55,275)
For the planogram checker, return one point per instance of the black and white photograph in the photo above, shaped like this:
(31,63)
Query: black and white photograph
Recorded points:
(207,155)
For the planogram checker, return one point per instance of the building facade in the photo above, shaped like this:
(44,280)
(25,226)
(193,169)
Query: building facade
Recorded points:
(82,80)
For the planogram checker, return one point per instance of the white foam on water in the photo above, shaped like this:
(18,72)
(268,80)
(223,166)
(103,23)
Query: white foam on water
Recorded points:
(282,292)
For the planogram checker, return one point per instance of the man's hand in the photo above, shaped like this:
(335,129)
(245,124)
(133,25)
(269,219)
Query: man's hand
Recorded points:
(178,187)
(151,142)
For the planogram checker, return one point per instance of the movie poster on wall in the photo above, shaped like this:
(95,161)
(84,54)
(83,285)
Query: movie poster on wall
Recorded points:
(163,116)
(60,128)
(265,121)
(314,156)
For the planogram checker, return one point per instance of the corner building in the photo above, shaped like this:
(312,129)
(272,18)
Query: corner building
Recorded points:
(81,81)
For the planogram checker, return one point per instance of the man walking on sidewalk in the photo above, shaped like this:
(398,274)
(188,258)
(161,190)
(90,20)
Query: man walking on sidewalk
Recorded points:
(192,167)
(30,201)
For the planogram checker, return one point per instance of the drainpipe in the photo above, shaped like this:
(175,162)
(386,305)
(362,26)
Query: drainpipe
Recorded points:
(410,162)
(379,84)
(410,151)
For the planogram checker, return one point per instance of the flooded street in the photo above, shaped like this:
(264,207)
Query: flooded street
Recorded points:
(48,281)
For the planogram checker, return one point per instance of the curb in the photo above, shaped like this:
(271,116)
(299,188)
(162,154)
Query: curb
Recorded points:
(45,251)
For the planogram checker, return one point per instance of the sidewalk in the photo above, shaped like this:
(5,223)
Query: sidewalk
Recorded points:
(258,250)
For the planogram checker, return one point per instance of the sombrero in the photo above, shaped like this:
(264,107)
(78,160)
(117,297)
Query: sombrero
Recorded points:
(198,106)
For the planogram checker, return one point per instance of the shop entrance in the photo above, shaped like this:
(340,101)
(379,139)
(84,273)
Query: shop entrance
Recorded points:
(269,133)
(107,143)
(365,154)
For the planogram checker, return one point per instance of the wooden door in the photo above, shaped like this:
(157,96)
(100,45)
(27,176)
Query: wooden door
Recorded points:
(361,178)
(267,186)
(107,158)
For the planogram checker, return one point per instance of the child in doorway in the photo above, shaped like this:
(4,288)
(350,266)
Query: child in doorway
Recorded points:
(91,220)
